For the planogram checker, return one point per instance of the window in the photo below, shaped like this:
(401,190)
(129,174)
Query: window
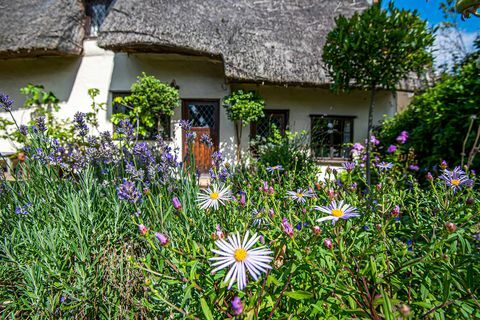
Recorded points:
(96,11)
(262,127)
(330,136)
(163,121)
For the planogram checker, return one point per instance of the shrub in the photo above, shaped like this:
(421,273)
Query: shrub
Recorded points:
(442,113)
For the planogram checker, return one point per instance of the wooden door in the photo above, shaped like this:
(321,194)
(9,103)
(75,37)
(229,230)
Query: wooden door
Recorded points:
(204,116)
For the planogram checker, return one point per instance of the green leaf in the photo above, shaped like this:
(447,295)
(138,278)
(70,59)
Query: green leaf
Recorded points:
(299,295)
(206,310)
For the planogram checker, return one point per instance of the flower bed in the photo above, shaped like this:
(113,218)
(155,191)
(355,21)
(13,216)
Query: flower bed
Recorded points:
(121,230)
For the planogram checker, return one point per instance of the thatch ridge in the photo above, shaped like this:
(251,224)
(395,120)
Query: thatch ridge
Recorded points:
(41,27)
(275,41)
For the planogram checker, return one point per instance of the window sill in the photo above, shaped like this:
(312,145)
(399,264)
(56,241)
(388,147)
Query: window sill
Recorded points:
(332,161)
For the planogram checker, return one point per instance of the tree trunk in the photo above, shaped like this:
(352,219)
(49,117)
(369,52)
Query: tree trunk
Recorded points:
(238,136)
(369,135)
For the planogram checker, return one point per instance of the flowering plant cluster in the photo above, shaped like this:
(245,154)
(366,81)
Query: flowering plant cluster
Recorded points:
(108,229)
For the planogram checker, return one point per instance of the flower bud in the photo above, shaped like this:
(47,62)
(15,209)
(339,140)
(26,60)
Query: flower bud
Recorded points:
(237,306)
(327,243)
(405,310)
(161,238)
(470,201)
(143,230)
(429,176)
(176,204)
(451,227)
(316,230)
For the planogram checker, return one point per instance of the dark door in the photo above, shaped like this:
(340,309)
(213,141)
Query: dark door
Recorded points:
(204,116)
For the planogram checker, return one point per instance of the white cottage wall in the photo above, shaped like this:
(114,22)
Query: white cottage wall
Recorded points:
(197,78)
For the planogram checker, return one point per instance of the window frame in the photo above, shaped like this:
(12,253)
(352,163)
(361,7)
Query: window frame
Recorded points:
(285,112)
(88,16)
(117,93)
(335,117)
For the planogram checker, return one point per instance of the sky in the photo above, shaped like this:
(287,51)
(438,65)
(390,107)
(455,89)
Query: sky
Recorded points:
(447,43)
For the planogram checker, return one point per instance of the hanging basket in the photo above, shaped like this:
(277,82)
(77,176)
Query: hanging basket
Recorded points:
(468,7)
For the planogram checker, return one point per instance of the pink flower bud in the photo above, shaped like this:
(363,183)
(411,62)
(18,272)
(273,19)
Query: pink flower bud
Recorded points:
(451,227)
(143,230)
(316,230)
(176,204)
(161,238)
(327,243)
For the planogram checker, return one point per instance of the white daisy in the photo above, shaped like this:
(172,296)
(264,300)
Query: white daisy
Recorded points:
(300,195)
(214,195)
(237,253)
(337,211)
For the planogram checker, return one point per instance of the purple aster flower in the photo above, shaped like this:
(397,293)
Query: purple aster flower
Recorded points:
(163,239)
(385,165)
(337,211)
(278,167)
(287,228)
(402,137)
(300,195)
(128,192)
(5,102)
(392,148)
(455,179)
(349,166)
(374,140)
(358,147)
(237,306)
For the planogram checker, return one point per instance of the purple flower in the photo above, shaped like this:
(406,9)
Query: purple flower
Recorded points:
(287,228)
(392,148)
(237,306)
(41,124)
(125,128)
(413,167)
(190,136)
(243,199)
(163,239)
(385,165)
(5,102)
(185,125)
(402,137)
(455,179)
(23,209)
(23,129)
(142,229)
(205,139)
(374,140)
(176,204)
(358,147)
(349,166)
(216,158)
(80,124)
(337,211)
(128,192)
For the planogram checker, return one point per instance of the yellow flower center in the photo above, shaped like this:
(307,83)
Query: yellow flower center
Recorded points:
(337,213)
(240,254)
(299,195)
(214,195)
(455,182)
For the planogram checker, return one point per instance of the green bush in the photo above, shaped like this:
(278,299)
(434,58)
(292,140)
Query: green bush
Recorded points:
(438,119)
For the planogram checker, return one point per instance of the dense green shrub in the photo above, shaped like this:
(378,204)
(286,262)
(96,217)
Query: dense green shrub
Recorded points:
(438,119)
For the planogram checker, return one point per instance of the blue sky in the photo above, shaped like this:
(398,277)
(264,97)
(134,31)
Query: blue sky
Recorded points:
(447,43)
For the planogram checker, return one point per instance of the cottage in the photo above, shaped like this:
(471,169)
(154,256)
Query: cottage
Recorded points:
(205,47)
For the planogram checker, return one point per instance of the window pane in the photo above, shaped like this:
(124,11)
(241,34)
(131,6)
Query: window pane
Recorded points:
(329,136)
(96,10)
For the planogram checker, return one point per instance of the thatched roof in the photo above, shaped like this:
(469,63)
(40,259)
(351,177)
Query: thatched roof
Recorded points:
(275,41)
(41,27)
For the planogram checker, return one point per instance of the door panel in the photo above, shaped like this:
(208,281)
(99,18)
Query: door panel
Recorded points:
(204,116)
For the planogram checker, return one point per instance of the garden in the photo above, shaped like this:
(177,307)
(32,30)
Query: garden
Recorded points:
(109,226)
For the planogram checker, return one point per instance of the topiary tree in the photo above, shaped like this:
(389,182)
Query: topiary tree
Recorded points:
(374,50)
(149,98)
(243,107)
